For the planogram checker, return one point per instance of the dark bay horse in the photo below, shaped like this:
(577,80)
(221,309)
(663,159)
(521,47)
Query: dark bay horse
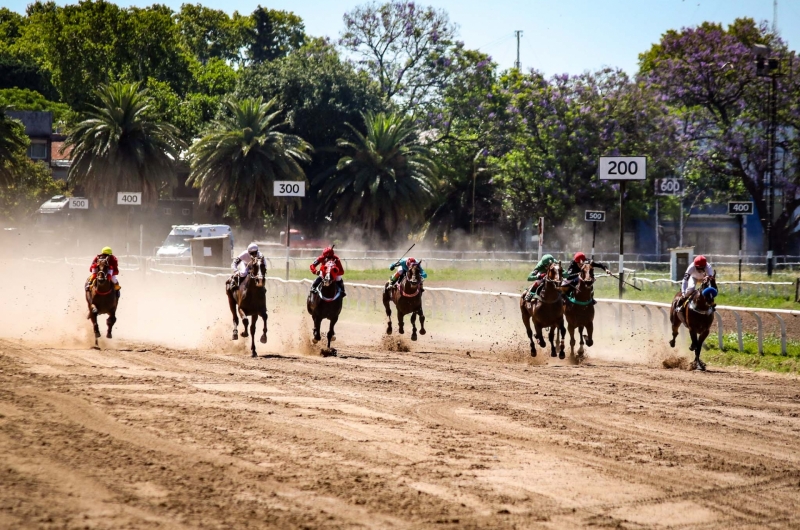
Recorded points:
(697,314)
(407,298)
(326,303)
(547,312)
(579,310)
(251,298)
(101,299)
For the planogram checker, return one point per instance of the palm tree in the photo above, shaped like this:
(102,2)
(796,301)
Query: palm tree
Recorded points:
(388,177)
(119,148)
(236,163)
(13,143)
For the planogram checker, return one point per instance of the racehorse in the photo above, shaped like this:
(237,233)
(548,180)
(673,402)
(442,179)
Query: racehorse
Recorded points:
(326,302)
(407,298)
(579,309)
(250,295)
(547,312)
(101,299)
(697,314)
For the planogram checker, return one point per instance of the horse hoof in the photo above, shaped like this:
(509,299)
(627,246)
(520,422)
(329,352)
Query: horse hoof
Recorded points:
(263,339)
(315,340)
(533,353)
(561,355)
(108,335)
(97,334)
(589,342)
(245,334)
(254,355)
(388,331)
(413,336)
(235,336)
(333,339)
(672,343)
(400,331)
(422,332)
(553,354)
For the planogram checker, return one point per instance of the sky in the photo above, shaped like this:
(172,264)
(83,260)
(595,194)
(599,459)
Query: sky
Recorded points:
(559,36)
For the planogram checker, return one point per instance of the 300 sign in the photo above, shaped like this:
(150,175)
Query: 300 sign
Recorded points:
(289,188)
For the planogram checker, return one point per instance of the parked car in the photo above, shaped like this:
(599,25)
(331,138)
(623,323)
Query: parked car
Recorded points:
(299,240)
(176,245)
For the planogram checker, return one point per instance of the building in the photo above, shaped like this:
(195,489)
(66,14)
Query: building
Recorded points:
(45,145)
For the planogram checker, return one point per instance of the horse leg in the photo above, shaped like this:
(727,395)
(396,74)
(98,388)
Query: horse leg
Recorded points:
(571,329)
(698,347)
(413,325)
(263,313)
(550,335)
(245,322)
(421,320)
(93,317)
(589,331)
(387,304)
(332,333)
(580,337)
(676,324)
(526,319)
(400,322)
(562,333)
(253,336)
(232,305)
(317,324)
(539,335)
(110,323)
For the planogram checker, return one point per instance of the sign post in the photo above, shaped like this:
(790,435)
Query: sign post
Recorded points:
(594,216)
(622,169)
(670,186)
(129,198)
(740,209)
(541,236)
(288,188)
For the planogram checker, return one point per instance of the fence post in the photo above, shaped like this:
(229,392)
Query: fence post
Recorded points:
(719,332)
(783,333)
(739,329)
(760,332)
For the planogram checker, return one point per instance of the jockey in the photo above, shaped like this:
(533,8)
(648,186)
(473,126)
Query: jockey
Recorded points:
(698,270)
(326,256)
(574,270)
(245,257)
(113,269)
(537,275)
(405,265)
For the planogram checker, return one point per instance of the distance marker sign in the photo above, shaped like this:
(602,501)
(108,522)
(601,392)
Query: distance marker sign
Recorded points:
(289,188)
(740,208)
(596,216)
(78,203)
(623,167)
(129,198)
(669,186)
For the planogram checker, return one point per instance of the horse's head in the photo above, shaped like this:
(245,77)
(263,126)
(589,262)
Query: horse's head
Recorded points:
(255,270)
(554,272)
(102,269)
(413,275)
(708,289)
(328,272)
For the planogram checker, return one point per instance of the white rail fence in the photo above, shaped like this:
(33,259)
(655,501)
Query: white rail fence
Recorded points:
(448,304)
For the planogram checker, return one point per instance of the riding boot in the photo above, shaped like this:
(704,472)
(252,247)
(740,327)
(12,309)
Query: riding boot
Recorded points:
(315,285)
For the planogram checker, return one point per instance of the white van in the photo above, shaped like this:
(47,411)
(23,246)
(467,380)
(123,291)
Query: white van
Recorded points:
(176,245)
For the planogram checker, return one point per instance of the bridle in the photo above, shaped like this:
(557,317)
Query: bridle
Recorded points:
(706,293)
(256,264)
(102,275)
(554,267)
(328,270)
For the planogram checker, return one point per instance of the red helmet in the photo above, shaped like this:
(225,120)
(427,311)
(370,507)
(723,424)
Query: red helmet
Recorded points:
(700,262)
(411,261)
(328,252)
(579,256)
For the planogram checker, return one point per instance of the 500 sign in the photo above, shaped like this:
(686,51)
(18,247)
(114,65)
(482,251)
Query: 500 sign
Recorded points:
(78,203)
(595,216)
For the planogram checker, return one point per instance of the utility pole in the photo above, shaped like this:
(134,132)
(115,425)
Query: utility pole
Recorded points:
(518,34)
(775,17)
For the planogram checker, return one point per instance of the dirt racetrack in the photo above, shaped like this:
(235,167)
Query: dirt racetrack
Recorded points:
(456,433)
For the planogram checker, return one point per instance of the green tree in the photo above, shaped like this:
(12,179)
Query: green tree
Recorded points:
(212,34)
(387,178)
(24,99)
(34,185)
(117,148)
(243,153)
(274,34)
(13,144)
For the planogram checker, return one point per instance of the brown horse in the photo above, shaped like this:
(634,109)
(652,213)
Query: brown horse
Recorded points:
(579,310)
(101,299)
(326,302)
(250,295)
(546,312)
(697,314)
(407,298)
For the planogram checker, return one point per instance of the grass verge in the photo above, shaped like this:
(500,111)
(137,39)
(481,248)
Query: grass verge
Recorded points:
(772,359)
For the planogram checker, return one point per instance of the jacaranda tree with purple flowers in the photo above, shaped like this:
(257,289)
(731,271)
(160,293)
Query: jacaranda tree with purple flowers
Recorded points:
(707,74)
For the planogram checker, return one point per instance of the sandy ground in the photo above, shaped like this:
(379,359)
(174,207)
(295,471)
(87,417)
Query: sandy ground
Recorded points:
(171,425)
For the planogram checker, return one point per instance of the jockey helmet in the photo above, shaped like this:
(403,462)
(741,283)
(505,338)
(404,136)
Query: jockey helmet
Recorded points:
(579,256)
(411,261)
(327,252)
(700,262)
(252,248)
(106,250)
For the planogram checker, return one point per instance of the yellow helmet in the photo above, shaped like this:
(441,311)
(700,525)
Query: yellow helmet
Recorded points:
(107,250)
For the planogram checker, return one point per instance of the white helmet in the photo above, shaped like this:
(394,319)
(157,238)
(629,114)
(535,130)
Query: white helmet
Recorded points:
(252,248)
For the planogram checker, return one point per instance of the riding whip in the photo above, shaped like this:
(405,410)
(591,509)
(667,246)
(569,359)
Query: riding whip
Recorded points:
(623,281)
